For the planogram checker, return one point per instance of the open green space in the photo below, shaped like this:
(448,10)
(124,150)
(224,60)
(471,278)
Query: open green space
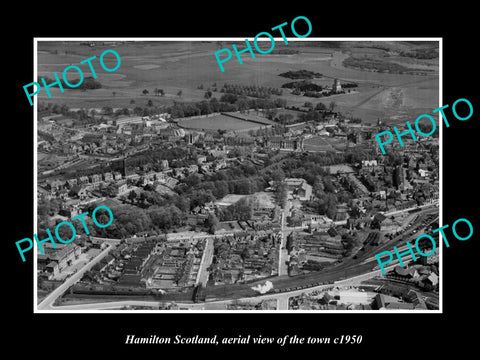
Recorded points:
(183,66)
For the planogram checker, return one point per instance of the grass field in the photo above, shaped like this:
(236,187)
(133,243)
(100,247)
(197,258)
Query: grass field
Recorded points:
(322,143)
(174,66)
(317,143)
(220,122)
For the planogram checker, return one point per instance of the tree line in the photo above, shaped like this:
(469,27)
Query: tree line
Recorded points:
(300,74)
(251,90)
(88,83)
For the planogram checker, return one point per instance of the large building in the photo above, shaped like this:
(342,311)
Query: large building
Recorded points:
(284,143)
(337,87)
(299,188)
(55,260)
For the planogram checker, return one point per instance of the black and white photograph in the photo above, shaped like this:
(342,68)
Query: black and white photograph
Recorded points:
(293,181)
(262,187)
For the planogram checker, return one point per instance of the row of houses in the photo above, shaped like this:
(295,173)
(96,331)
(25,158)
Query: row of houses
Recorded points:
(94,179)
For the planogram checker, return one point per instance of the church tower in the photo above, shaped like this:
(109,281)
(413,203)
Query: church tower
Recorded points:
(337,87)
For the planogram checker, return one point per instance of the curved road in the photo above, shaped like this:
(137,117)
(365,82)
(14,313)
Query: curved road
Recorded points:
(48,302)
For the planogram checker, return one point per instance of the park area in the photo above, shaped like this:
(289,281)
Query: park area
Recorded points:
(218,122)
(324,144)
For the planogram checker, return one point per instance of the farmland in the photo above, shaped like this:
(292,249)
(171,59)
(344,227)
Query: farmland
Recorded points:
(176,66)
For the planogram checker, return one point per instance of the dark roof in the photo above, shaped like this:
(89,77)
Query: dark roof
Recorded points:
(400,306)
(332,232)
(380,301)
(379,217)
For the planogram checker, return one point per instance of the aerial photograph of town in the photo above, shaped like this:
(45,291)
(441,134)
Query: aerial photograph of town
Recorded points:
(258,188)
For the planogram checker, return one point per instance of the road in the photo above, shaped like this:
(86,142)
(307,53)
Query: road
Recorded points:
(281,298)
(349,267)
(47,303)
(207,256)
(282,251)
(350,271)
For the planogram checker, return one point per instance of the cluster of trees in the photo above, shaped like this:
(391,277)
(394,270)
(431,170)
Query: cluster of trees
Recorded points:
(300,74)
(312,115)
(349,85)
(314,94)
(206,191)
(212,223)
(130,220)
(145,199)
(302,86)
(426,128)
(317,113)
(49,108)
(251,90)
(241,210)
(311,167)
(47,209)
(227,103)
(148,198)
(244,103)
(425,53)
(164,212)
(281,192)
(156,92)
(378,65)
(166,217)
(88,83)
(326,197)
(222,249)
(243,179)
(326,200)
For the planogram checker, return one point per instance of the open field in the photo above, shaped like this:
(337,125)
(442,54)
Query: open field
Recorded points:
(322,143)
(317,143)
(174,66)
(220,122)
(230,199)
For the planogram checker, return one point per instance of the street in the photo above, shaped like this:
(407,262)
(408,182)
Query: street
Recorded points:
(207,256)
(350,271)
(48,302)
